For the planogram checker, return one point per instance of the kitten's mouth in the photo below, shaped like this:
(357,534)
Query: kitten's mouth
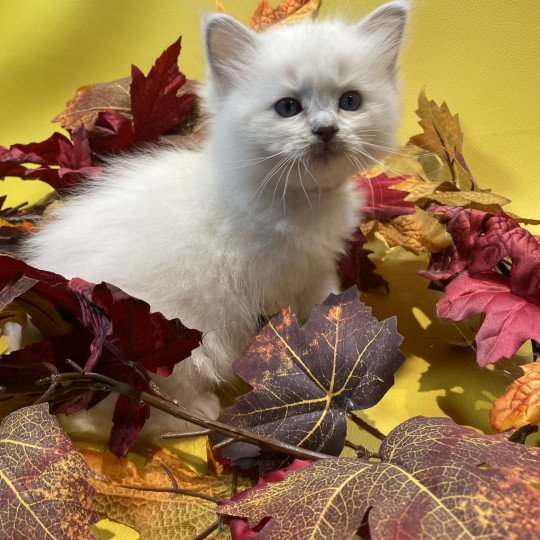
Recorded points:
(323,154)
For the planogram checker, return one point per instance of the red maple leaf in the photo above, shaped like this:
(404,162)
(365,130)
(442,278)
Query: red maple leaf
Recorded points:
(112,333)
(510,319)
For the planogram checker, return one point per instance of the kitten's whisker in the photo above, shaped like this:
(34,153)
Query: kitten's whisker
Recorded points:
(302,184)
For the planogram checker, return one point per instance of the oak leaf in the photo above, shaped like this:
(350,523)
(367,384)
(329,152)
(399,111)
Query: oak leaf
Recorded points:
(520,403)
(44,489)
(442,135)
(434,479)
(156,515)
(306,379)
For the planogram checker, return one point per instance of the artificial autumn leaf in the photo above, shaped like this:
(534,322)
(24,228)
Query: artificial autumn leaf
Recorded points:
(434,479)
(288,12)
(443,136)
(381,201)
(44,489)
(520,403)
(510,319)
(112,333)
(306,379)
(418,232)
(62,163)
(356,268)
(90,100)
(156,515)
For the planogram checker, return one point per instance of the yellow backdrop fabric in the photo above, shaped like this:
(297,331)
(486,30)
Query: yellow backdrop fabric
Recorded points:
(482,57)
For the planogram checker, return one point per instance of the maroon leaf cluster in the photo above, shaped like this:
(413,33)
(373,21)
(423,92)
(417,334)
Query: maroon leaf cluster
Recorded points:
(112,333)
(493,267)
(155,109)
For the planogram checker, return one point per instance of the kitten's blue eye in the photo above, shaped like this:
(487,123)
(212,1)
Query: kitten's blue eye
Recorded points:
(288,107)
(350,101)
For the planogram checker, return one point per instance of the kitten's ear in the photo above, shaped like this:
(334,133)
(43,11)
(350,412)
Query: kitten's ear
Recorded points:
(385,26)
(228,44)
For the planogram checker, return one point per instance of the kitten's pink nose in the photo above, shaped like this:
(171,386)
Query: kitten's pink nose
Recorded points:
(325,133)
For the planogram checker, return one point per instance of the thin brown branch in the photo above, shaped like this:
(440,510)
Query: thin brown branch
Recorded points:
(169,473)
(225,442)
(176,491)
(188,435)
(366,427)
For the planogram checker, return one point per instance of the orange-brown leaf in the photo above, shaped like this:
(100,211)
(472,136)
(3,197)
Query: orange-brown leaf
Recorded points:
(442,135)
(44,489)
(520,404)
(91,99)
(156,515)
(288,11)
(418,232)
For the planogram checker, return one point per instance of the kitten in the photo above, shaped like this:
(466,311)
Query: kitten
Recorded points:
(255,220)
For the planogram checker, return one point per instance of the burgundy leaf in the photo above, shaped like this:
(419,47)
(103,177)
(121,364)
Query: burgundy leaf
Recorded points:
(113,334)
(381,201)
(356,268)
(155,105)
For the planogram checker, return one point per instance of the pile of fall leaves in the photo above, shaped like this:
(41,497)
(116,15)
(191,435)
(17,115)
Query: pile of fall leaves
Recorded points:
(274,469)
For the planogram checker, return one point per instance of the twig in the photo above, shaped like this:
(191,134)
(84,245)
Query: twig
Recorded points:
(208,531)
(225,442)
(366,427)
(234,482)
(176,491)
(187,435)
(170,475)
(361,451)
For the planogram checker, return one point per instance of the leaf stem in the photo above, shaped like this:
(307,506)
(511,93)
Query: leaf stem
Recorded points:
(362,424)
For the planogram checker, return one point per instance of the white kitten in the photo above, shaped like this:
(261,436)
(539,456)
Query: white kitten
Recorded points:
(256,220)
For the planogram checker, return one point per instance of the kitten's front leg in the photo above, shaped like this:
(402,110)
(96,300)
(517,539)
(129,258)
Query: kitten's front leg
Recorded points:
(314,293)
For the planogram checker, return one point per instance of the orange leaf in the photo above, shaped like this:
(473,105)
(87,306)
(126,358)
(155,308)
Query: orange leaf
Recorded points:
(288,11)
(520,404)
(155,514)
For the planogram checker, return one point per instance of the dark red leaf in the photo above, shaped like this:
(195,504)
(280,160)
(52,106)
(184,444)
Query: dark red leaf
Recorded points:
(356,268)
(155,106)
(112,133)
(113,334)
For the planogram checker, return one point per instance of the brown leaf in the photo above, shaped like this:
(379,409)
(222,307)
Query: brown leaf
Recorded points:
(287,12)
(44,490)
(91,99)
(416,232)
(418,188)
(520,404)
(156,515)
(435,479)
(465,198)
(443,136)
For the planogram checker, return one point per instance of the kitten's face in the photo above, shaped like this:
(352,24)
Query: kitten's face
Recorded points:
(311,103)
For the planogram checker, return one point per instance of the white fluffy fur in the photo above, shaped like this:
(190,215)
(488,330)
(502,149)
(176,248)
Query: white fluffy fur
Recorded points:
(254,221)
